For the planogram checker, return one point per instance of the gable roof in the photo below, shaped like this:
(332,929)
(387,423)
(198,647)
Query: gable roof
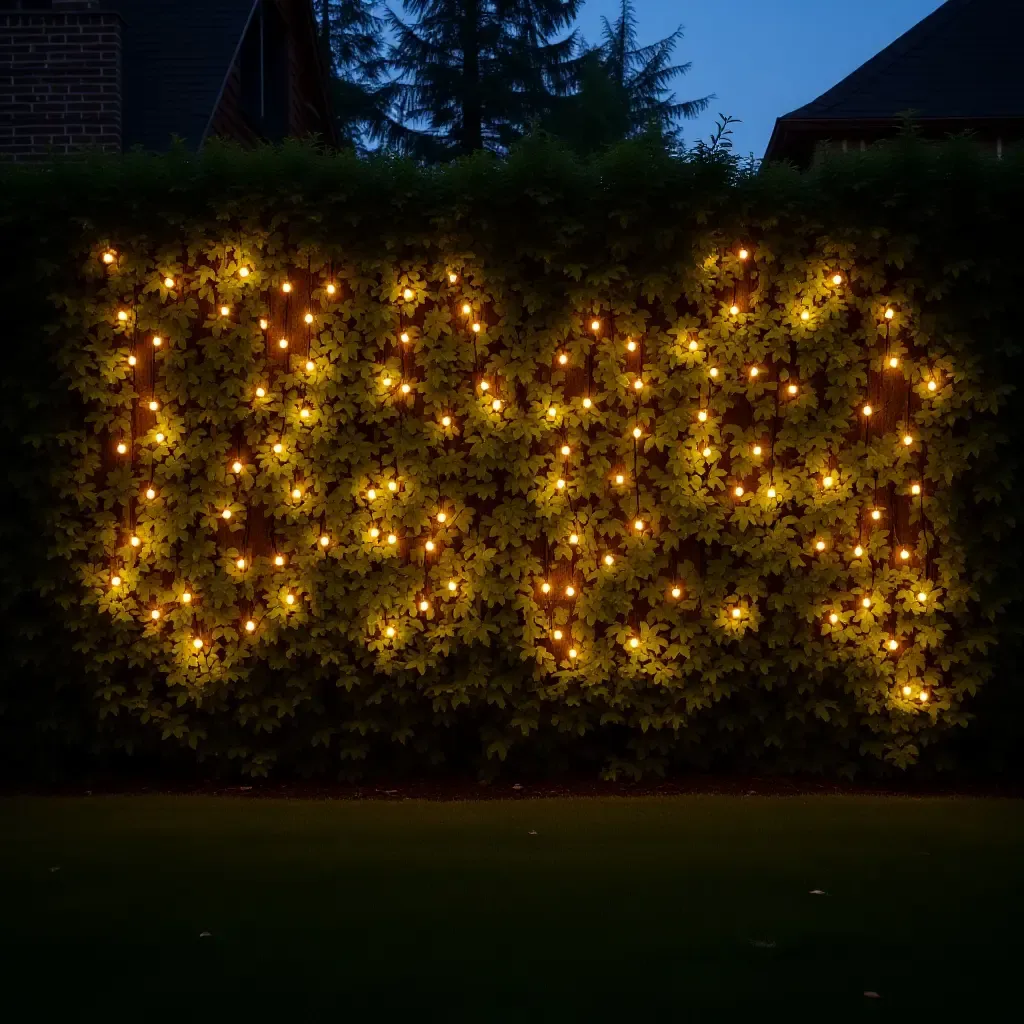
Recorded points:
(962,62)
(176,57)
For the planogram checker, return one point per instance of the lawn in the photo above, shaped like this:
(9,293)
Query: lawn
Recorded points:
(548,909)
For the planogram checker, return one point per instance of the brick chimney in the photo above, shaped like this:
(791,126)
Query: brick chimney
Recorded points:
(60,78)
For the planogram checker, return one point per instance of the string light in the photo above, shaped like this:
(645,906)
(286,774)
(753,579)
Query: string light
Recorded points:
(109,256)
(574,538)
(876,514)
(677,592)
(692,346)
(805,315)
(122,316)
(702,416)
(286,287)
(236,467)
(155,614)
(115,581)
(867,410)
(573,653)
(713,371)
(894,645)
(392,486)
(736,613)
(157,341)
(446,421)
(225,310)
(186,597)
(560,483)
(389,632)
(404,337)
(452,277)
(197,644)
(757,449)
(545,588)
(922,596)
(904,554)
(424,606)
(620,479)
(243,271)
(792,389)
(923,697)
(132,360)
(159,437)
(609,560)
(566,450)
(324,540)
(331,289)
(392,539)
(907,691)
(466,309)
(833,618)
(168,282)
(570,591)
(893,362)
(308,318)
(304,413)
(837,278)
(289,599)
(386,382)
(634,643)
(250,626)
(915,489)
(707,453)
(278,560)
(563,359)
(134,541)
(282,344)
(631,345)
(828,481)
(452,586)
(121,448)
(154,405)
(889,314)
(484,385)
(429,545)
(310,366)
(442,517)
(866,602)
(263,324)
(738,491)
(771,492)
(150,493)
(476,328)
(638,525)
(932,385)
(557,634)
(858,551)
(754,371)
(278,448)
(374,532)
(226,514)
(743,254)
(587,403)
(296,493)
(240,563)
(595,325)
(496,405)
(908,440)
(734,309)
(408,294)
(638,384)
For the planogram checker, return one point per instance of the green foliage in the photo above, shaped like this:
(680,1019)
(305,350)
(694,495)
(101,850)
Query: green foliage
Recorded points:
(540,247)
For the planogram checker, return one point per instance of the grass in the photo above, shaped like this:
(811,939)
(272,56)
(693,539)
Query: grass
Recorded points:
(615,909)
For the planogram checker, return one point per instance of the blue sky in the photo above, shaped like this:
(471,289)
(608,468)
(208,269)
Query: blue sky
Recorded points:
(763,58)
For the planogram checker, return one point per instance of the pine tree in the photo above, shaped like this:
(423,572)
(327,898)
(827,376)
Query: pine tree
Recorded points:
(351,39)
(475,74)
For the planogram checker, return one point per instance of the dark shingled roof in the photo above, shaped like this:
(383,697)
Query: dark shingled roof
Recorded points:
(176,57)
(962,61)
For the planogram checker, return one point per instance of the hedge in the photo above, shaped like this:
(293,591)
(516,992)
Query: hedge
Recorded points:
(329,465)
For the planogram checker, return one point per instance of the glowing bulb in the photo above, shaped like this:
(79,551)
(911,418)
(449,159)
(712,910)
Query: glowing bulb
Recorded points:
(894,645)
(563,359)
(587,403)
(155,614)
(907,691)
(324,540)
(310,366)
(570,591)
(296,493)
(159,437)
(386,382)
(392,486)
(263,323)
(573,653)
(282,344)
(243,271)
(904,554)
(186,597)
(225,310)
(157,341)
(122,448)
(154,405)
(452,586)
(876,514)
(250,626)
(595,325)
(738,492)
(702,416)
(638,525)
(713,372)
(484,385)
(609,560)
(290,599)
(557,634)
(867,410)
(893,362)
(286,287)
(631,345)
(858,551)
(331,289)
(923,698)
(496,405)
(757,449)
(889,314)
(304,413)
(915,489)
(677,592)
(115,581)
(134,541)
(560,483)
(452,277)
(638,385)
(734,309)
(805,315)
(278,560)
(132,360)
(408,294)
(634,643)
(771,492)
(150,493)
(109,257)
(424,606)
(226,514)
(566,450)
(706,453)
(122,316)
(736,613)
(429,545)
(236,467)
(545,588)
(743,254)
(197,644)
(828,481)
(476,328)
(792,389)
(392,539)
(404,337)
(693,346)
(837,278)
(261,392)
(308,318)
(754,371)
(389,632)
(240,563)
(833,618)
(374,532)
(466,309)
(932,385)
(866,602)
(442,517)
(820,546)
(619,478)
(168,282)
(922,596)
(278,448)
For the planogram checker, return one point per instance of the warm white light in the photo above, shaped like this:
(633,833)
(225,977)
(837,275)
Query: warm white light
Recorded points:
(278,448)
(743,254)
(132,360)
(466,309)
(876,514)
(484,385)
(374,532)
(157,341)
(408,294)
(392,486)
(915,489)
(922,596)
(296,493)
(736,613)
(833,618)
(446,421)
(893,362)
(121,448)
(389,632)
(197,643)
(226,514)
(386,382)
(250,626)
(155,614)
(476,328)
(702,416)
(739,491)
(867,410)
(442,517)
(866,602)
(634,643)
(560,483)
(563,359)
(677,592)
(496,405)
(923,697)
(566,450)
(828,481)
(150,493)
(392,539)
(304,413)
(552,412)
(587,403)
(595,325)
(324,541)
(279,560)
(619,478)
(889,314)
(452,277)
(638,384)
(122,316)
(858,551)
(805,315)
(894,645)
(754,371)
(574,538)
(236,467)
(331,289)
(557,634)
(429,545)
(261,392)
(713,372)
(570,591)
(243,271)
(734,309)
(545,588)
(609,560)
(637,433)
(837,278)
(904,554)
(771,492)
(932,385)
(282,344)
(820,545)
(154,405)
(115,581)
(707,453)
(109,256)
(638,525)
(693,346)
(168,282)
(308,318)
(225,310)
(792,389)
(907,691)
(290,599)
(424,606)
(452,586)
(573,653)
(159,437)
(404,337)
(263,324)
(240,563)
(757,449)
(286,287)
(186,597)
(631,345)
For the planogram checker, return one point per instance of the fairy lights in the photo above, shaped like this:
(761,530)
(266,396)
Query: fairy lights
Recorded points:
(404,337)
(702,415)
(915,489)
(121,448)
(226,514)
(250,626)
(134,541)
(109,257)
(286,287)
(122,315)
(197,643)
(236,466)
(168,282)
(805,315)
(692,346)
(452,586)
(932,386)
(734,309)
(392,486)
(392,539)
(570,591)
(630,345)
(278,448)
(609,560)
(739,491)
(827,482)
(637,433)
(132,360)
(496,405)
(186,597)
(476,328)
(837,279)
(858,551)
(737,613)
(154,405)
(279,560)
(676,592)
(756,449)
(390,632)
(557,634)
(792,389)
(159,437)
(150,493)
(240,563)
(833,618)
(889,314)
(282,344)
(563,359)
(634,642)
(876,514)
(157,341)
(867,410)
(907,440)
(408,294)
(155,614)
(743,254)
(225,310)
(620,479)
(595,325)
(819,545)
(429,546)
(893,362)
(466,309)
(893,645)
(243,271)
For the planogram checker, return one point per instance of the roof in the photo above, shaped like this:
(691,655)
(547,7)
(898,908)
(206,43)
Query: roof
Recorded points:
(962,62)
(176,57)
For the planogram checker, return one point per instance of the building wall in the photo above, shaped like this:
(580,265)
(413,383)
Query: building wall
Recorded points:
(60,81)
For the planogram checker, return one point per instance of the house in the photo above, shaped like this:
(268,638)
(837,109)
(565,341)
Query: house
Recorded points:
(956,71)
(116,74)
